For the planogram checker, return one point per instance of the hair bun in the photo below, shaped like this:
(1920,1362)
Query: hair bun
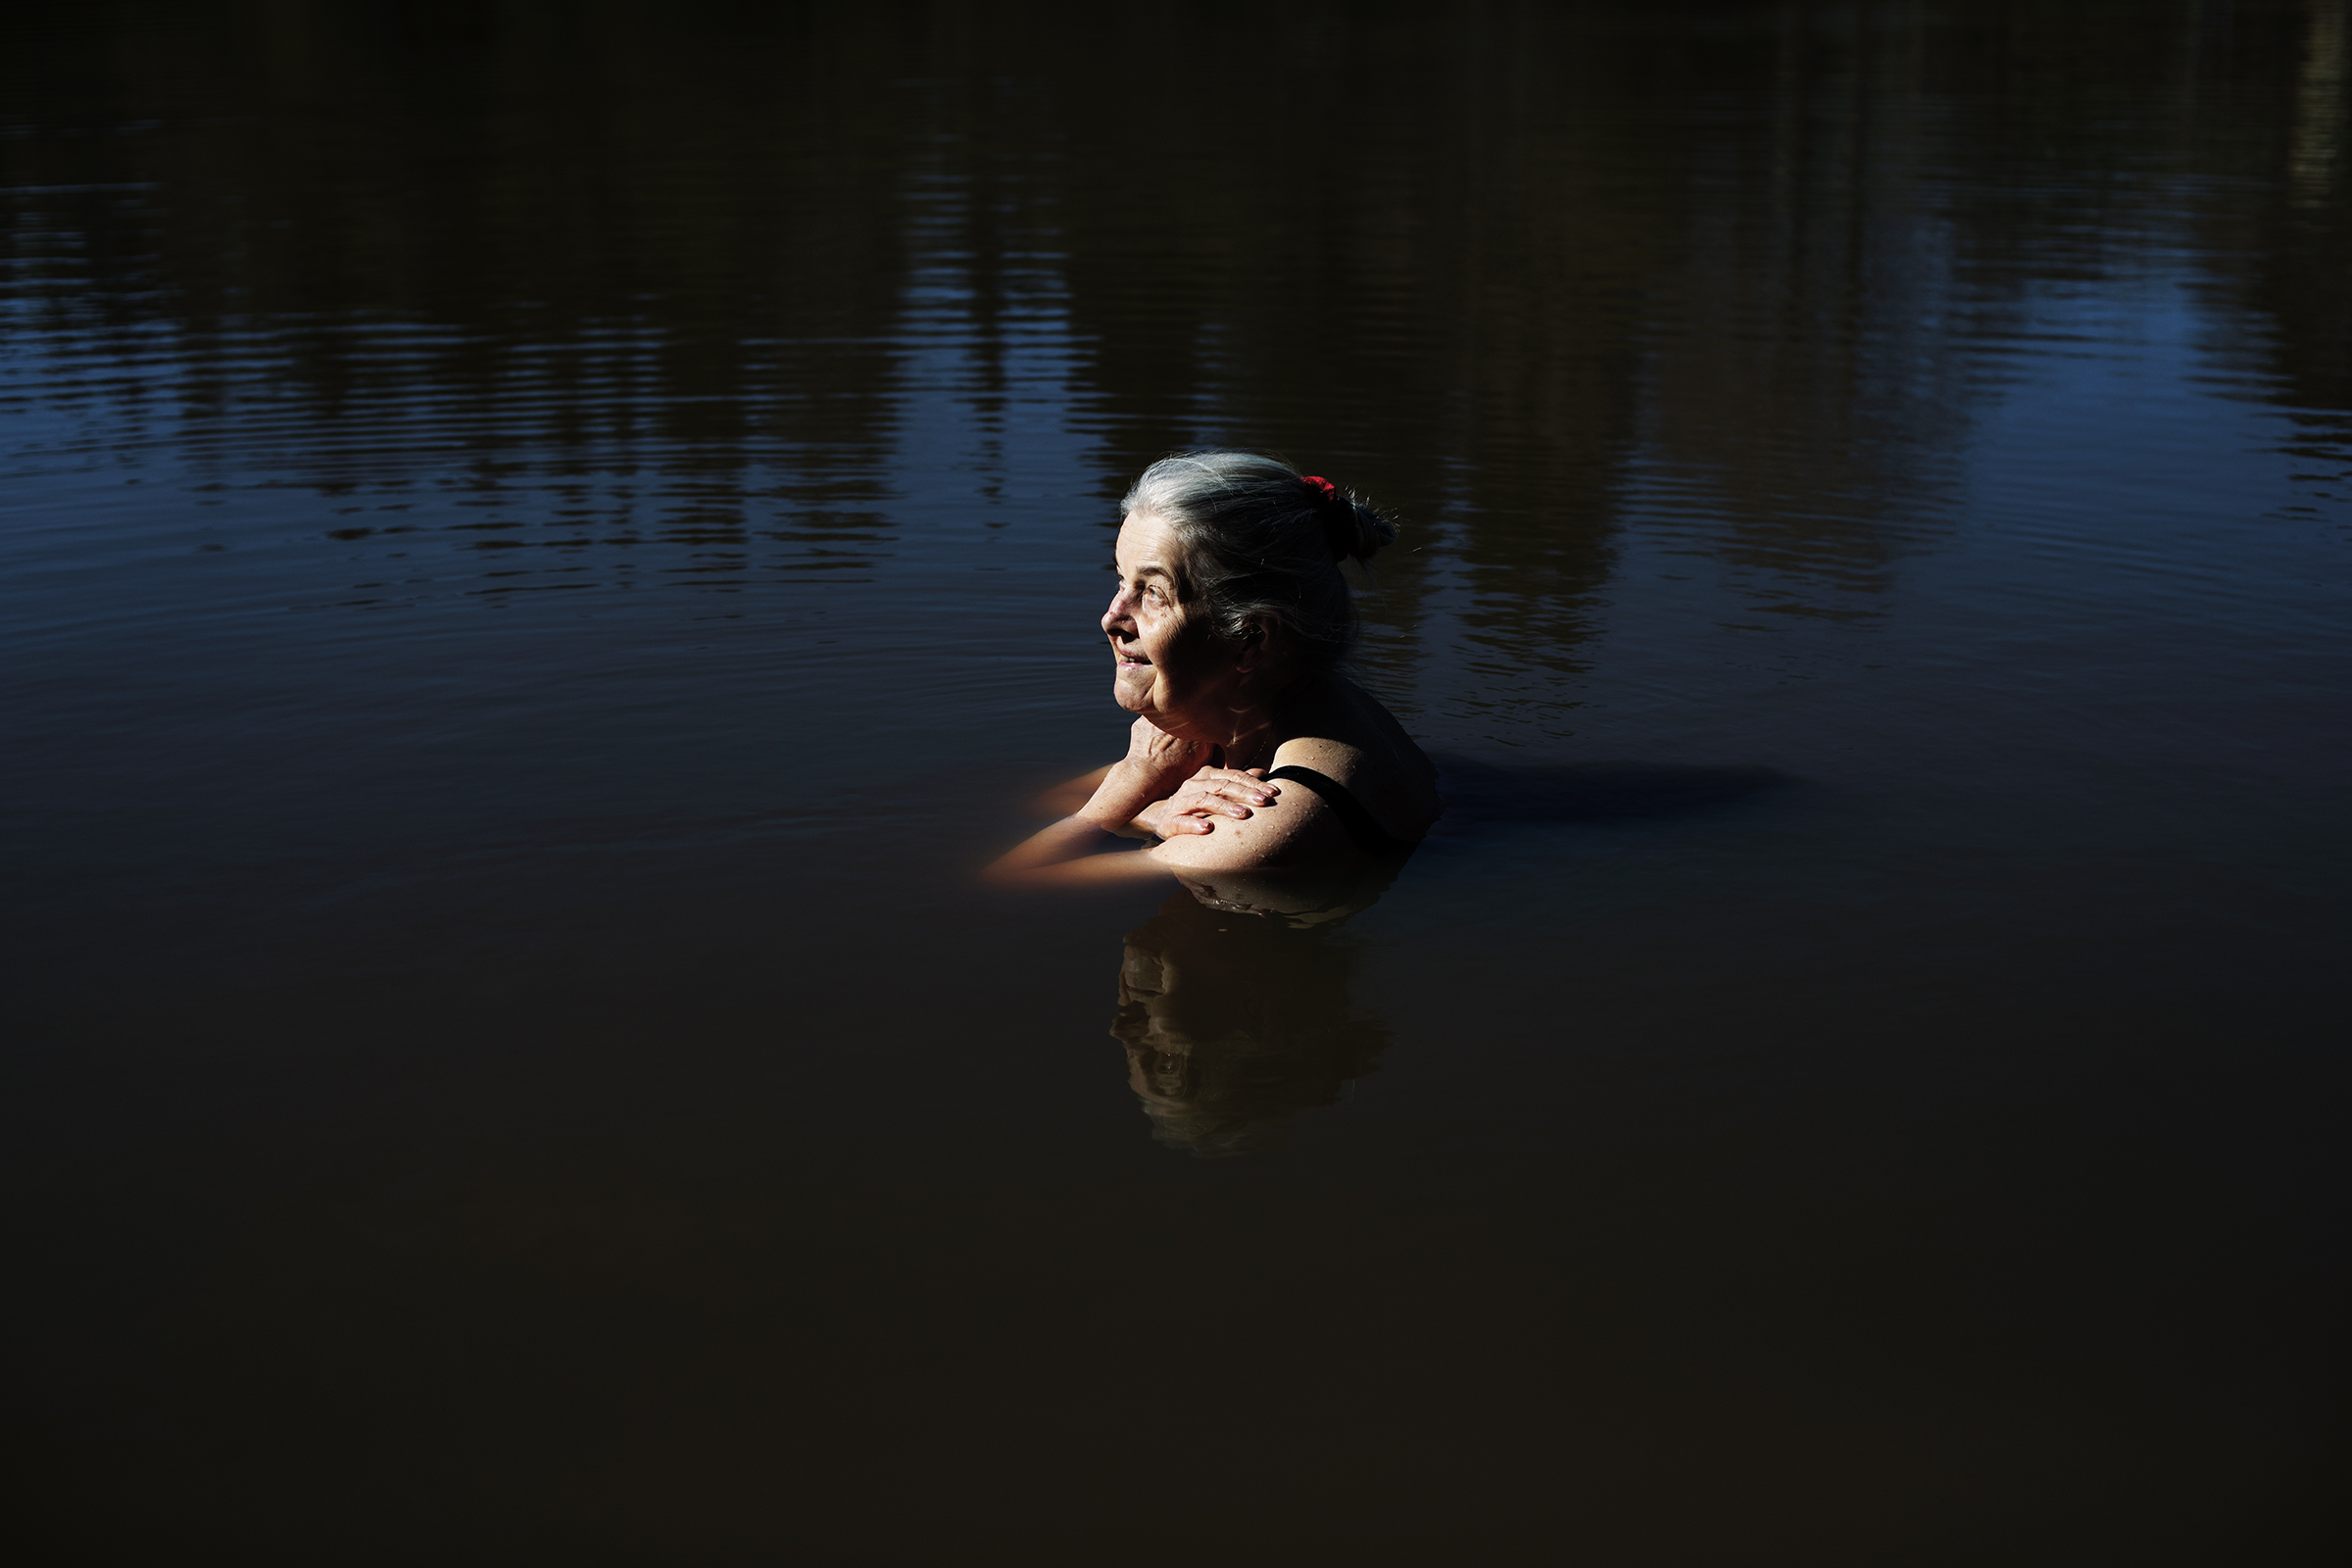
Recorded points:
(1356,529)
(1349,527)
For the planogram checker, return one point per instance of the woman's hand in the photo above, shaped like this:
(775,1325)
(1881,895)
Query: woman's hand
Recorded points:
(1071,851)
(1159,759)
(1212,791)
(1156,764)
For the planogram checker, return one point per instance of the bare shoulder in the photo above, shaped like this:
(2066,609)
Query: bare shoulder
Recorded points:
(1297,828)
(1369,755)
(1350,740)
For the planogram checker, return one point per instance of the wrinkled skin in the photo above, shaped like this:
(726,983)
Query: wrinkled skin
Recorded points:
(1198,695)
(1212,712)
(1170,665)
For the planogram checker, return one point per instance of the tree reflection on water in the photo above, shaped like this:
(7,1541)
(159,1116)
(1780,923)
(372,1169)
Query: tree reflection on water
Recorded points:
(654,286)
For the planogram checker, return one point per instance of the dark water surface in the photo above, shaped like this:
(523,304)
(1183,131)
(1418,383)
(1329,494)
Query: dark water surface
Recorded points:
(542,544)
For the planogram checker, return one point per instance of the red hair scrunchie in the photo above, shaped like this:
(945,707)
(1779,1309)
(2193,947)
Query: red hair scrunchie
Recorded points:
(1339,517)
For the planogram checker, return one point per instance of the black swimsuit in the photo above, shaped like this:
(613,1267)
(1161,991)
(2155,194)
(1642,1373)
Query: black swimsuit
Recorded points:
(1369,835)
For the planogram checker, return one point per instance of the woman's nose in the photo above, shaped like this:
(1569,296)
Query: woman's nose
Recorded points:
(1116,615)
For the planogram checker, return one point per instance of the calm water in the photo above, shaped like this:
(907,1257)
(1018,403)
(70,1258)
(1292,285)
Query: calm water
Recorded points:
(542,543)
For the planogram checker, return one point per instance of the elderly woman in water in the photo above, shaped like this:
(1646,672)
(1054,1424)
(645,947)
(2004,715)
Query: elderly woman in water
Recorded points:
(1251,750)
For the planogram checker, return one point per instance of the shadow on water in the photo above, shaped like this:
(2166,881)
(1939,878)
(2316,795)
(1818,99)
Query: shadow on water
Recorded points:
(1234,1004)
(1491,794)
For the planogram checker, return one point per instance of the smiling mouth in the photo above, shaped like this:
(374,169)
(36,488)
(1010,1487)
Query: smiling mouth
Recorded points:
(1129,659)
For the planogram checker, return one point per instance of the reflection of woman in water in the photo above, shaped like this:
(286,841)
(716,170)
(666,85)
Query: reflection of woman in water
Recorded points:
(1236,1014)
(1250,750)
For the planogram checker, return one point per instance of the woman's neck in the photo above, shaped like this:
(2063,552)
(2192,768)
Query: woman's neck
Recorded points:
(1248,737)
(1253,748)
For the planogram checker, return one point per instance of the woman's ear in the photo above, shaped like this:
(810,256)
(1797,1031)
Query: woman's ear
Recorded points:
(1265,647)
(1256,641)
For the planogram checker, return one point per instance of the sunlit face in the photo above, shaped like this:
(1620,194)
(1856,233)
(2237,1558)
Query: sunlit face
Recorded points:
(1169,661)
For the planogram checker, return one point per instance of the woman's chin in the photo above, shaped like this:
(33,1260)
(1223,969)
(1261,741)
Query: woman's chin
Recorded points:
(1133,692)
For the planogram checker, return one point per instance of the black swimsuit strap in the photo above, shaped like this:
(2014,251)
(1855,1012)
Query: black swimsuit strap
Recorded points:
(1369,835)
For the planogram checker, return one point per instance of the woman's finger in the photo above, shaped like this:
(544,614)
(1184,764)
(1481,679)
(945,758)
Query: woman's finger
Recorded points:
(1234,775)
(1247,783)
(1208,799)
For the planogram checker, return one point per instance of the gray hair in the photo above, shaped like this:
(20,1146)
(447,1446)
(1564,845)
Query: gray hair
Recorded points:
(1264,544)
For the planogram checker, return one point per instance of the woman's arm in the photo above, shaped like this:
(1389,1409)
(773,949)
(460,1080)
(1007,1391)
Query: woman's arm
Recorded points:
(1159,788)
(1080,848)
(1083,848)
(1064,798)
(1074,852)
(1219,791)
(1080,851)
(1210,823)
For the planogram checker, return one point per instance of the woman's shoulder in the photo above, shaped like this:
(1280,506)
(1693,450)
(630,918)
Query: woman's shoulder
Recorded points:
(1391,779)
(1373,766)
(1356,730)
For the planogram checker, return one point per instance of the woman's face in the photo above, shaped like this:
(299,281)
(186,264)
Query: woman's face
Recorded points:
(1169,661)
